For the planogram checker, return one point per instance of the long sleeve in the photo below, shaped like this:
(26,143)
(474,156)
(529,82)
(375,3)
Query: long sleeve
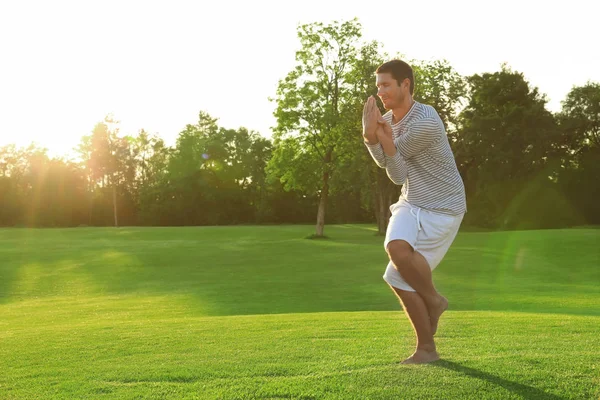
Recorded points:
(376,152)
(396,168)
(419,136)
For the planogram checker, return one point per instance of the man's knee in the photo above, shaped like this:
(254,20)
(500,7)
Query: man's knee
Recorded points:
(400,253)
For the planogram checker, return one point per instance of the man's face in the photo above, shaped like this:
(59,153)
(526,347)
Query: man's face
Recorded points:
(388,90)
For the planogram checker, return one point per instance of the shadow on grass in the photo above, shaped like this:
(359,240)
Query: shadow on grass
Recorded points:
(526,392)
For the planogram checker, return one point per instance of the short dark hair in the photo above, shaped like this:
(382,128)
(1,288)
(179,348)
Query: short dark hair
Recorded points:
(399,70)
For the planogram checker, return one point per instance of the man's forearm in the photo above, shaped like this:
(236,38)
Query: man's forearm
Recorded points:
(396,168)
(394,162)
(376,153)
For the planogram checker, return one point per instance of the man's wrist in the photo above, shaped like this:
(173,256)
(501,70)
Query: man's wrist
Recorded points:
(389,148)
(370,138)
(390,151)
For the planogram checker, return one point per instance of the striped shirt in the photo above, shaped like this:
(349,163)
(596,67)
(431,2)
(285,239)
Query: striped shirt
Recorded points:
(424,163)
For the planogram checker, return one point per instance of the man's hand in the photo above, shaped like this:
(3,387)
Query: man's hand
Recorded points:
(371,114)
(385,137)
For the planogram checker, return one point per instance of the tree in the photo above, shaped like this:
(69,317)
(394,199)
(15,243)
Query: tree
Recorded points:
(439,85)
(579,122)
(12,185)
(38,191)
(580,117)
(111,168)
(152,157)
(309,103)
(504,140)
(355,167)
(84,150)
(215,175)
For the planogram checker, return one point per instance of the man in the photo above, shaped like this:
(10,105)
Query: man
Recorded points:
(410,142)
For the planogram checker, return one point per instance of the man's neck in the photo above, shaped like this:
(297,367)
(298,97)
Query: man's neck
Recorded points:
(403,109)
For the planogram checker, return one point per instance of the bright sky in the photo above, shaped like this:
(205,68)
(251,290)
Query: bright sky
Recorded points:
(64,65)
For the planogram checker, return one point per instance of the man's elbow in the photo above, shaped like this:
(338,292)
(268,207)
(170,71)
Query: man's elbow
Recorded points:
(397,180)
(380,164)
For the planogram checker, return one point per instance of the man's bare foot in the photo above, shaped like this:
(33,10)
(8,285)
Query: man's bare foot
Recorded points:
(436,312)
(421,357)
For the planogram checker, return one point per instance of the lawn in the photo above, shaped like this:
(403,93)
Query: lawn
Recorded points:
(252,312)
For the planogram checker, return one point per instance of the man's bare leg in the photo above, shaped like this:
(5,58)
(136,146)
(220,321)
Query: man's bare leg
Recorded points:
(416,311)
(416,272)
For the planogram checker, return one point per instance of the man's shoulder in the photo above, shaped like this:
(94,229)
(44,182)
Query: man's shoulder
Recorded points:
(424,111)
(428,115)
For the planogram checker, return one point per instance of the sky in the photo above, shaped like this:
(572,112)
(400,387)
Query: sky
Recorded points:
(153,65)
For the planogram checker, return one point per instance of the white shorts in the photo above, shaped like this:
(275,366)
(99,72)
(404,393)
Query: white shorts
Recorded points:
(428,232)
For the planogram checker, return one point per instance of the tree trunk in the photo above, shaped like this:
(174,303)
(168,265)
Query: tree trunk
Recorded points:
(381,221)
(324,195)
(385,195)
(381,203)
(90,209)
(392,192)
(115,205)
(322,204)
(91,196)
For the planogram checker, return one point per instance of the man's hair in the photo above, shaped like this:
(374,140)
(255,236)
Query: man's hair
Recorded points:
(399,71)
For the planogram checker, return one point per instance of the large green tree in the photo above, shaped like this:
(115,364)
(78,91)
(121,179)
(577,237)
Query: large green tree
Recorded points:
(438,84)
(580,128)
(355,167)
(310,100)
(215,175)
(580,118)
(504,143)
(111,170)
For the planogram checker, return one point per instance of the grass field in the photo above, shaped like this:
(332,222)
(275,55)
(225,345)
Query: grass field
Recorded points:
(262,313)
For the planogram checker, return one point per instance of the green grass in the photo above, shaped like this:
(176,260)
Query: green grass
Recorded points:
(264,313)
